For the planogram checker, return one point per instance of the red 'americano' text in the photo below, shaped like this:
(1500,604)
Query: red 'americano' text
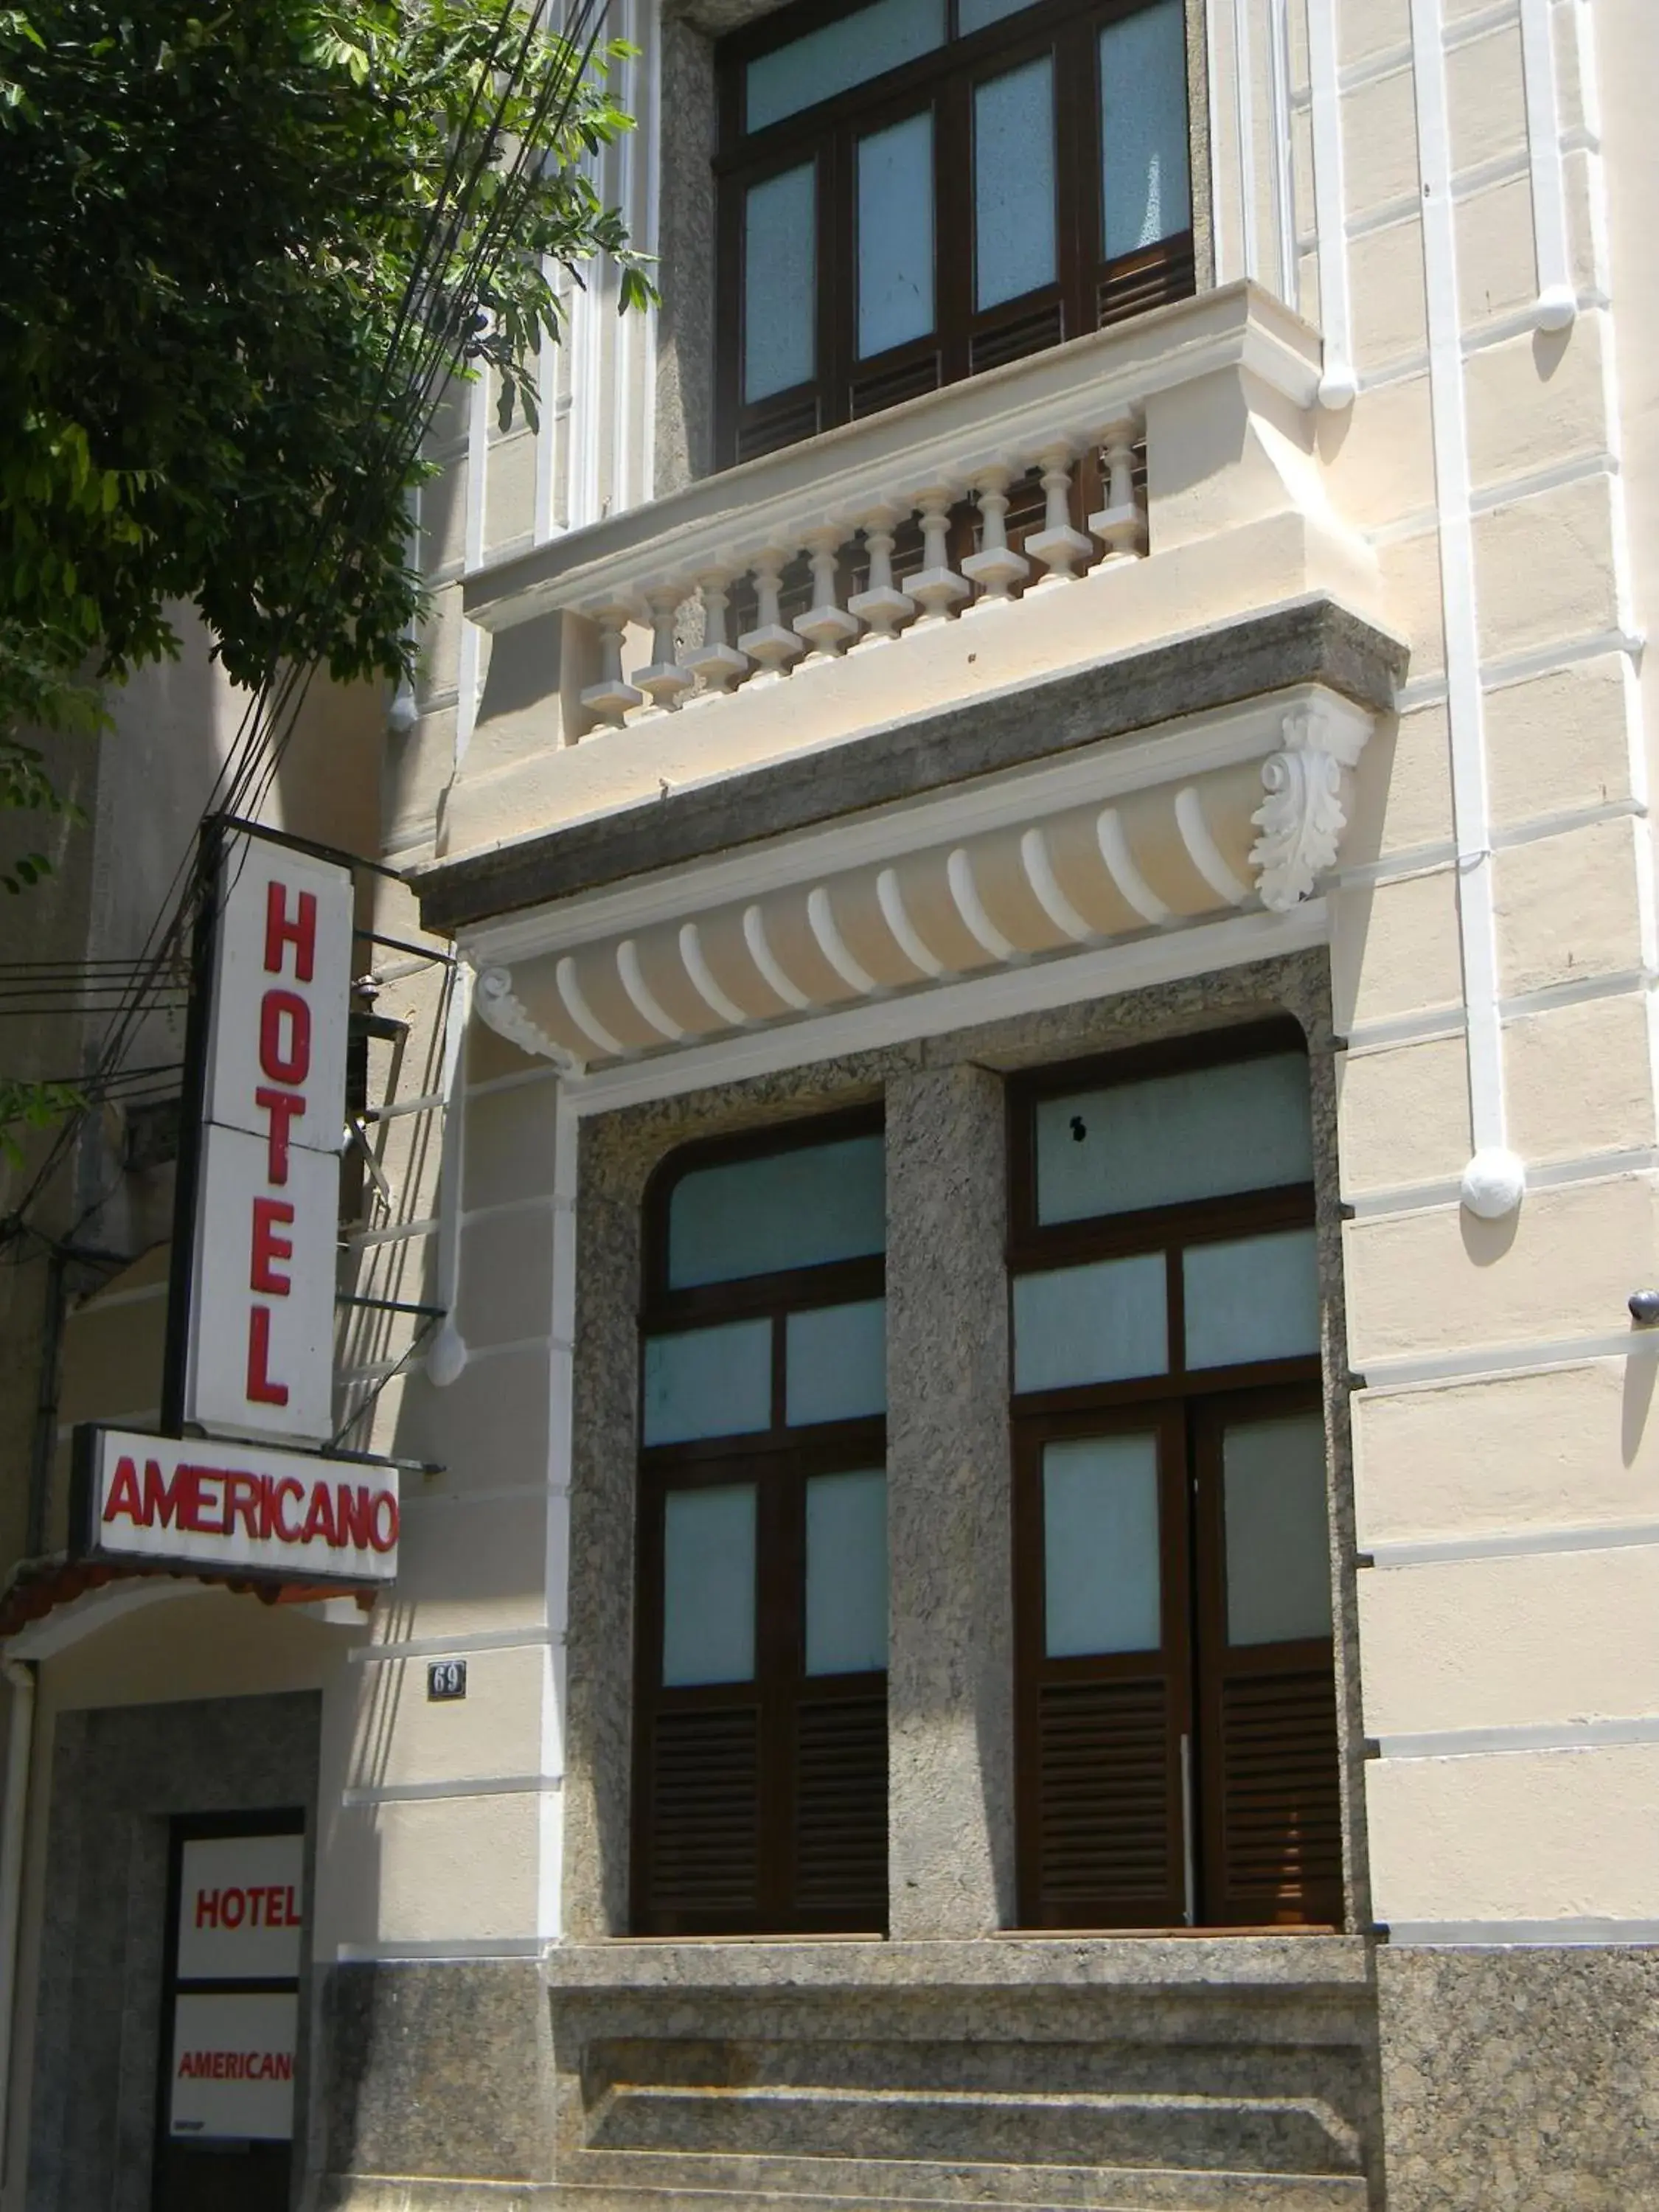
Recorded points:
(212,1501)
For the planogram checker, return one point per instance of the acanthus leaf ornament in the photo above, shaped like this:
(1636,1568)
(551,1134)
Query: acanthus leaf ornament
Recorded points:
(1305,812)
(507,1015)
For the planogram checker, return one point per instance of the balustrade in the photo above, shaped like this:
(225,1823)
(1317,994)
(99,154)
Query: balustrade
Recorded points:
(995,575)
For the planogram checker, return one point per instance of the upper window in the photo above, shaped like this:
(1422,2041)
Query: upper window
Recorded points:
(761,1782)
(915,189)
(1176,1736)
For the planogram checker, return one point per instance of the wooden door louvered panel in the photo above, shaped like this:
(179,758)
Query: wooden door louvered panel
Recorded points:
(840,1813)
(1139,282)
(1276,1834)
(1108,1806)
(703,1838)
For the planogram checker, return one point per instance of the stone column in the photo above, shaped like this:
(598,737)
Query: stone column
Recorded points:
(950,1667)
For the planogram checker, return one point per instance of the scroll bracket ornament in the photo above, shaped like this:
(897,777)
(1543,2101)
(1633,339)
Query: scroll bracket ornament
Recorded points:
(507,1014)
(1305,811)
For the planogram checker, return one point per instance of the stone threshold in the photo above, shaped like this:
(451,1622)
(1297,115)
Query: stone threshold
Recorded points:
(1301,1961)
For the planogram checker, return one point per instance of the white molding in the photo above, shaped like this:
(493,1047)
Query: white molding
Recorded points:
(1547,1174)
(437,1948)
(428,1793)
(1389,1557)
(1471,799)
(1337,384)
(1519,1737)
(1065,980)
(1496,1359)
(1557,304)
(459,1646)
(1174,752)
(1585,1933)
(1244,130)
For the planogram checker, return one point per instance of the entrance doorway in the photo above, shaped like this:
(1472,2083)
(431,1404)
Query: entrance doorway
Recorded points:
(230,2013)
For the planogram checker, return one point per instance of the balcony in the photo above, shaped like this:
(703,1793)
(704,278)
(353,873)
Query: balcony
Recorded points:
(658,683)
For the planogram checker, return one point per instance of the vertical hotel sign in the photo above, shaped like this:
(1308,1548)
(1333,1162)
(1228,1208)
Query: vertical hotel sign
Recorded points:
(258,1353)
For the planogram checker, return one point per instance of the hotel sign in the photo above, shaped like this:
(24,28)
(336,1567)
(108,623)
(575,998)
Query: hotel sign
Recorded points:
(260,1352)
(200,1502)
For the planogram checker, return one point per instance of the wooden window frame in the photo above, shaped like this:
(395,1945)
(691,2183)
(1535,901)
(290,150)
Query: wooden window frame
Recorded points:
(1088,291)
(1187,1408)
(789,1709)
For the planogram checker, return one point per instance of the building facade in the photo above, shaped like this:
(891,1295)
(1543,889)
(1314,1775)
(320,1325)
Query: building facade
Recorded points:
(1007,1134)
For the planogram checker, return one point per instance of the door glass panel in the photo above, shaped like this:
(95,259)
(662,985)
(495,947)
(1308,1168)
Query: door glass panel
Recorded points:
(974,14)
(708,1382)
(1143,127)
(837,1363)
(780,281)
(793,1209)
(1096,1323)
(846,1573)
(1205,1133)
(1100,1547)
(1279,1570)
(1014,183)
(1257,1298)
(709,1585)
(841,55)
(895,235)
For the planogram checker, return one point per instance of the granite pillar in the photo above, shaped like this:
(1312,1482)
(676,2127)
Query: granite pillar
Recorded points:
(951,1665)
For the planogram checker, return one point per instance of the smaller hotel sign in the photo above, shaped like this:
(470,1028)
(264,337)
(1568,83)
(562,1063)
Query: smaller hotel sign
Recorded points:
(203,1503)
(239,1918)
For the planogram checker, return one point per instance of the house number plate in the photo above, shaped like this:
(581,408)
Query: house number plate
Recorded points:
(445,1679)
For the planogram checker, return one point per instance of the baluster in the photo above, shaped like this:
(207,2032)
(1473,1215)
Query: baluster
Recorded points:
(663,676)
(1057,545)
(939,587)
(996,565)
(612,696)
(719,665)
(1120,523)
(827,626)
(884,608)
(770,642)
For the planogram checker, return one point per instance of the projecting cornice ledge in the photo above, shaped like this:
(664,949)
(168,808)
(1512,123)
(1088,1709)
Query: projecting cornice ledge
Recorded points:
(1312,641)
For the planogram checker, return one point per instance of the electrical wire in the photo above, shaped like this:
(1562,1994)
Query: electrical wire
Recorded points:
(271,713)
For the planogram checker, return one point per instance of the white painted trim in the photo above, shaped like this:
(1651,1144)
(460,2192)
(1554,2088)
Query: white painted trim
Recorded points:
(1496,1359)
(1213,78)
(469,661)
(560,1395)
(1547,1175)
(1244,125)
(1471,804)
(506,1494)
(1521,1934)
(68,1625)
(1384,1036)
(103,1301)
(1337,384)
(1528,1736)
(459,1646)
(436,1949)
(1511,1544)
(427,1793)
(1557,304)
(1283,168)
(1116,766)
(1513,489)
(362,1240)
(516,1081)
(870,1026)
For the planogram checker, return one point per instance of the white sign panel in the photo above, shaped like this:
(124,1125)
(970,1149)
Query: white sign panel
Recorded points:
(204,1502)
(233,2066)
(262,1305)
(239,1909)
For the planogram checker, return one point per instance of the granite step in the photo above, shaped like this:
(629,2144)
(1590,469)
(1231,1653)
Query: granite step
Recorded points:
(981,2189)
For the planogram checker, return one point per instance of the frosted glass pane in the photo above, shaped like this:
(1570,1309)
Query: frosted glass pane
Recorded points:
(1254,1299)
(895,235)
(1143,127)
(845,53)
(837,1363)
(791,1209)
(846,1573)
(1279,1567)
(1203,1133)
(708,1382)
(1092,1324)
(780,281)
(1014,183)
(1100,1550)
(974,14)
(709,1585)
